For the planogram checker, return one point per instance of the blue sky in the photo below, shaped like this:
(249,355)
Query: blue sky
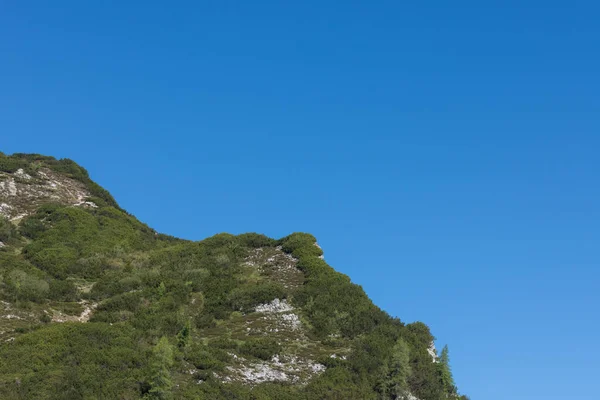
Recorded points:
(445,154)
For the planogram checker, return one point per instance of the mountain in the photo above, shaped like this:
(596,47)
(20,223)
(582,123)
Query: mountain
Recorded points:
(95,304)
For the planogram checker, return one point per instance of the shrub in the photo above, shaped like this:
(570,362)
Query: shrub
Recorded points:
(10,164)
(206,358)
(196,277)
(256,240)
(245,298)
(55,260)
(62,290)
(31,227)
(262,348)
(204,321)
(26,287)
(7,230)
(125,301)
(45,318)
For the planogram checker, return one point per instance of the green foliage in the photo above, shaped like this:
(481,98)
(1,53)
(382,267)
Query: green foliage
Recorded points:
(160,381)
(19,280)
(31,227)
(73,241)
(263,348)
(161,290)
(446,373)
(336,384)
(398,370)
(206,358)
(333,304)
(425,380)
(25,286)
(183,336)
(114,283)
(11,164)
(300,245)
(45,318)
(55,260)
(246,298)
(7,230)
(71,361)
(256,240)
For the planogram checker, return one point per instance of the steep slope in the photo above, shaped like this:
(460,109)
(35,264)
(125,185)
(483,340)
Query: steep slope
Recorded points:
(95,304)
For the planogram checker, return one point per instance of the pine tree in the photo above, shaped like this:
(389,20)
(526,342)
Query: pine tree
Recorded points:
(399,370)
(160,381)
(162,289)
(184,335)
(446,372)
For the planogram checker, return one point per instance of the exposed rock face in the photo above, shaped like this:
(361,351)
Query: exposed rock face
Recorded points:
(21,194)
(275,306)
(322,257)
(280,312)
(281,266)
(289,369)
(433,352)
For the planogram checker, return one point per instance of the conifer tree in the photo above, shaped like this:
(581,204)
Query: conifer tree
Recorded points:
(160,381)
(184,335)
(446,372)
(399,370)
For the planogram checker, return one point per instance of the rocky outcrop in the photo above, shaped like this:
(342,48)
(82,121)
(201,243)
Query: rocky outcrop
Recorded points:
(289,369)
(276,306)
(21,193)
(433,352)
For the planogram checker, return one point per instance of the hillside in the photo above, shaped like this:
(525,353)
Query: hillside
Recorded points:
(96,305)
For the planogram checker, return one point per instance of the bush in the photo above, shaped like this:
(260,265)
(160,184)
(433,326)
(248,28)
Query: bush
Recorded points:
(296,240)
(204,321)
(122,302)
(7,230)
(256,240)
(206,358)
(62,290)
(246,298)
(26,287)
(224,343)
(54,260)
(197,277)
(10,164)
(109,285)
(31,227)
(262,348)
(45,318)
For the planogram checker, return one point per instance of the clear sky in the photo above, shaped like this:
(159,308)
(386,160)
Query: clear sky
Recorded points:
(445,154)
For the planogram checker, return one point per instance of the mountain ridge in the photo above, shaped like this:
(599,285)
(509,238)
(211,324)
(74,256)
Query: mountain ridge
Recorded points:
(243,316)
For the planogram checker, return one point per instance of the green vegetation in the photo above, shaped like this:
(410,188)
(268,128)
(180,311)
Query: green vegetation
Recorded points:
(262,348)
(72,361)
(171,318)
(160,382)
(7,230)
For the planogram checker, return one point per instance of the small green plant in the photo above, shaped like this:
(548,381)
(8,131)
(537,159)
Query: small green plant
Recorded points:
(262,348)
